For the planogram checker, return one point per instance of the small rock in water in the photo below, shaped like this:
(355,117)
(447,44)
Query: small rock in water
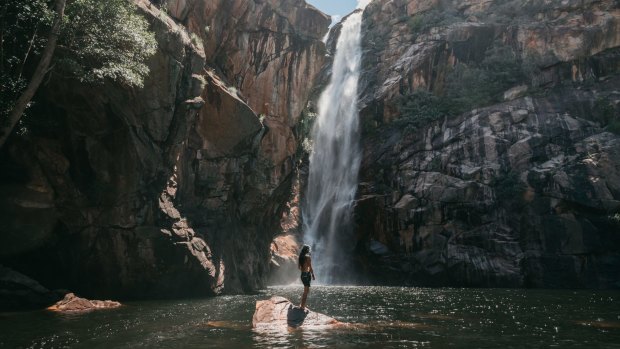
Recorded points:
(279,312)
(71,302)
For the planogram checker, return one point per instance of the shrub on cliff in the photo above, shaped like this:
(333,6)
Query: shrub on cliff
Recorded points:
(468,86)
(476,85)
(435,17)
(89,40)
(106,39)
(420,107)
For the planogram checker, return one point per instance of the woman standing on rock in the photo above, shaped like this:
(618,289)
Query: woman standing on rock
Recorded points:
(305,265)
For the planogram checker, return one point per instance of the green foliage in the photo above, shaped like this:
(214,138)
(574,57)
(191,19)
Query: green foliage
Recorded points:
(424,21)
(467,87)
(476,85)
(106,39)
(420,108)
(23,28)
(99,40)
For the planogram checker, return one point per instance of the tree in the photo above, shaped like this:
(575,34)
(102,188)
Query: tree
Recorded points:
(38,75)
(88,40)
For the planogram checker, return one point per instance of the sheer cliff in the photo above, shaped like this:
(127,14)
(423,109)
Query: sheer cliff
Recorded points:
(491,147)
(174,189)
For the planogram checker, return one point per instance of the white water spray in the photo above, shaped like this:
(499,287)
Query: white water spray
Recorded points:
(335,161)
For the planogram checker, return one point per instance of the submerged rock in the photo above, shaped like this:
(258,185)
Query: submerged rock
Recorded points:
(71,302)
(279,312)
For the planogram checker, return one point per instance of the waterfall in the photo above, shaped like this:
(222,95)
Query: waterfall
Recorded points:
(335,161)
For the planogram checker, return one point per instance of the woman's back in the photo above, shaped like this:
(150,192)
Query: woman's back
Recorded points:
(306,265)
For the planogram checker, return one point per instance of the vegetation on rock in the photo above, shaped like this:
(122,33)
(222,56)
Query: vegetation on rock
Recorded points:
(88,40)
(432,18)
(462,79)
(467,86)
(106,40)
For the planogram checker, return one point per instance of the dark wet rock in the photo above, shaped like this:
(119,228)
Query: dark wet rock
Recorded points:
(522,193)
(73,303)
(413,44)
(17,292)
(278,312)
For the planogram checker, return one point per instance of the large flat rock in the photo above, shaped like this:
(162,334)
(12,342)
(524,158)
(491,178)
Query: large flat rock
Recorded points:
(278,312)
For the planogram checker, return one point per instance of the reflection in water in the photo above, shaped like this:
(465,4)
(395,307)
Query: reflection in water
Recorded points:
(377,317)
(231,325)
(601,324)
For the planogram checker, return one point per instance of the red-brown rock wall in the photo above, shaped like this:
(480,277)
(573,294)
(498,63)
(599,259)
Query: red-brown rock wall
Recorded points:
(174,189)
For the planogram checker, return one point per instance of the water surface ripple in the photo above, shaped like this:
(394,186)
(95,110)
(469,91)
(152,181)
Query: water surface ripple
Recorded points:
(383,317)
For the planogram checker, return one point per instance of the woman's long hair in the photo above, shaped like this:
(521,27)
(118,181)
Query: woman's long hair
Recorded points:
(302,255)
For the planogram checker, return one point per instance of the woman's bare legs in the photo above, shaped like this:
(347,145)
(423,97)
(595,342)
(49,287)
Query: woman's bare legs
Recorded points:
(304,297)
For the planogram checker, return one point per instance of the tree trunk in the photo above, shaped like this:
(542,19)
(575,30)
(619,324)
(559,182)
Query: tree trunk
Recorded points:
(37,77)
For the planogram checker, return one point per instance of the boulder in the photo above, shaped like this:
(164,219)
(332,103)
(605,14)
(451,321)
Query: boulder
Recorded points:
(72,303)
(278,312)
(18,292)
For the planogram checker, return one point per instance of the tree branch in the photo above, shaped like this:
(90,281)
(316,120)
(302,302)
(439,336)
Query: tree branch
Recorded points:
(2,15)
(21,66)
(37,77)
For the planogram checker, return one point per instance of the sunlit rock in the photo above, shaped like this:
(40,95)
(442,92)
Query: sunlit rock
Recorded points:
(73,303)
(278,312)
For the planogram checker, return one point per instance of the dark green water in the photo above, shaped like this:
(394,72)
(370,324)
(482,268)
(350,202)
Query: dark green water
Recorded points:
(387,317)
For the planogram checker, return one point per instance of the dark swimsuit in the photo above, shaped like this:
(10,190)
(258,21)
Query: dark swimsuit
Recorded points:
(305,278)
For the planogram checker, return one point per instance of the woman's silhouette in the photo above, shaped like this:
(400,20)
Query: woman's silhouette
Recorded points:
(305,265)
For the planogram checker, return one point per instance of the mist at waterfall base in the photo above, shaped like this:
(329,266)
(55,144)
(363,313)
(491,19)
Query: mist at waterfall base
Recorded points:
(334,163)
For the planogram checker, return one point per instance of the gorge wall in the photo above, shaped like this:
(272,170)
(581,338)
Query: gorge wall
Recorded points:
(491,147)
(175,189)
(491,154)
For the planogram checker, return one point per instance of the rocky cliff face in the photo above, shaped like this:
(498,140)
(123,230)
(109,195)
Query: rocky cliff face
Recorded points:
(517,185)
(174,189)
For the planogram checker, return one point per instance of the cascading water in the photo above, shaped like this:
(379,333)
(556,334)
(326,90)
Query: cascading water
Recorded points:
(335,161)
